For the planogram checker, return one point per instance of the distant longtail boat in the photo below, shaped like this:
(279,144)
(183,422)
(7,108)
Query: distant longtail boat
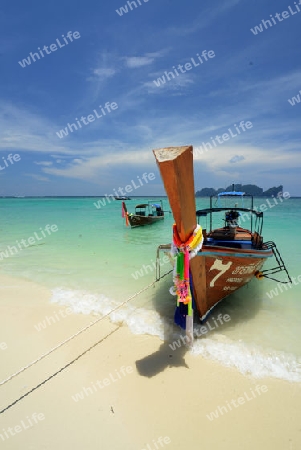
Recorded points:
(145,214)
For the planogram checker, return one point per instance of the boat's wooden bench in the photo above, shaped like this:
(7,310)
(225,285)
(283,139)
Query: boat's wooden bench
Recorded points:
(226,234)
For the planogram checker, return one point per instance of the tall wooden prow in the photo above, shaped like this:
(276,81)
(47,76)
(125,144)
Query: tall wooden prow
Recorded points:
(176,168)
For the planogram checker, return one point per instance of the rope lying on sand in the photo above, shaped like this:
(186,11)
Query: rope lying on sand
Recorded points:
(56,373)
(68,340)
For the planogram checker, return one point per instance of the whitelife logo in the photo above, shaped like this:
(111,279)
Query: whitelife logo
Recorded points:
(280,17)
(9,160)
(13,250)
(128,189)
(101,384)
(158,444)
(185,340)
(265,206)
(86,119)
(53,48)
(124,9)
(25,424)
(295,100)
(220,139)
(49,320)
(274,292)
(3,346)
(183,68)
(240,400)
(146,268)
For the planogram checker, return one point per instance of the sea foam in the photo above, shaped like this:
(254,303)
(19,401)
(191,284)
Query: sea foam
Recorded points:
(249,359)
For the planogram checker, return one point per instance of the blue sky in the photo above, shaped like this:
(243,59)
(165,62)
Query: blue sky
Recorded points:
(116,59)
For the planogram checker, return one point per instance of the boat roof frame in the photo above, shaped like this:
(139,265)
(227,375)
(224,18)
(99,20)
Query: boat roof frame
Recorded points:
(148,206)
(206,211)
(230,193)
(142,205)
(258,215)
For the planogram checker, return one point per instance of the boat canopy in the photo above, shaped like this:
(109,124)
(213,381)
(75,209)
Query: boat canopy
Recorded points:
(156,205)
(231,193)
(205,211)
(142,205)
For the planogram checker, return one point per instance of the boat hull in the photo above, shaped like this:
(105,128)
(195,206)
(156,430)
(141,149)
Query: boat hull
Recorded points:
(218,272)
(230,256)
(140,221)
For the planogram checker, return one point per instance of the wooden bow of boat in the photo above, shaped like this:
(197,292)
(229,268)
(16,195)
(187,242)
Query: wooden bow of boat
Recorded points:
(229,258)
(231,255)
(176,165)
(176,169)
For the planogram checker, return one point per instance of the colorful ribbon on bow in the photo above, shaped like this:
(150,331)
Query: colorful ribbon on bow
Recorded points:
(184,251)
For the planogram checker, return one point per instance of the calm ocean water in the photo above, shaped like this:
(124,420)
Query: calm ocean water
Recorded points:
(93,262)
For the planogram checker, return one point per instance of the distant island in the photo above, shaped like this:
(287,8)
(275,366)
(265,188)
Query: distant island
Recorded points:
(247,188)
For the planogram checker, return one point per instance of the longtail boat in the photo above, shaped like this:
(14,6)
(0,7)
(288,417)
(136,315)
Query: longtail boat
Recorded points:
(145,214)
(209,264)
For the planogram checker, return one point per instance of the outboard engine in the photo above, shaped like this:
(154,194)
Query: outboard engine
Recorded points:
(231,218)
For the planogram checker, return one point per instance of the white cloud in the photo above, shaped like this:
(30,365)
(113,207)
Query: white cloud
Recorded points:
(22,129)
(104,72)
(37,177)
(206,17)
(175,84)
(89,168)
(236,159)
(104,69)
(133,62)
(43,163)
(217,158)
(137,61)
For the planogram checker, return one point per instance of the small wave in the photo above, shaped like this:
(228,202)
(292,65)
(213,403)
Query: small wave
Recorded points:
(248,359)
(139,320)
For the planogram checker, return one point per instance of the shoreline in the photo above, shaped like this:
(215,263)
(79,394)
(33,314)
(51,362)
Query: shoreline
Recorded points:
(167,394)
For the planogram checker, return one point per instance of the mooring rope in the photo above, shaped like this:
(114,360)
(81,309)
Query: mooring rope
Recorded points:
(57,372)
(69,339)
(74,335)
(52,350)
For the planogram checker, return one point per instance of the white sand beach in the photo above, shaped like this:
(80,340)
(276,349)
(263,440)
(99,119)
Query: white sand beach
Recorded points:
(129,391)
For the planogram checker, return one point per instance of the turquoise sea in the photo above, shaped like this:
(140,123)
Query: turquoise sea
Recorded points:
(93,262)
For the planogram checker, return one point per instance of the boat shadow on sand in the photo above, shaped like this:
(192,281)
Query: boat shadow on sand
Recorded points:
(241,306)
